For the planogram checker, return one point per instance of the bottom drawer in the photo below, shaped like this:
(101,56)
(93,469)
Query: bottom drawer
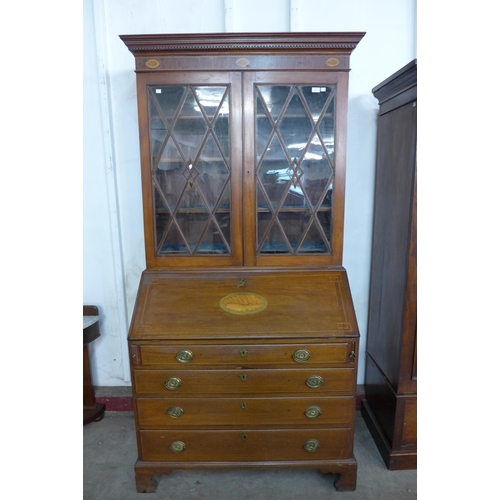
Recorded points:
(246,445)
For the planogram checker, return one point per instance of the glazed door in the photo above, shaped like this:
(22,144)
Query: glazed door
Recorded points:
(294,168)
(191,135)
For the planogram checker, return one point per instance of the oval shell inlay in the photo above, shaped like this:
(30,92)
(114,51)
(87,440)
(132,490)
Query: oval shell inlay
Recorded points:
(152,63)
(243,303)
(242,62)
(333,61)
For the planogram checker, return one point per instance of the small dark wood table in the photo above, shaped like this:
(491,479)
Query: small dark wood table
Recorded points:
(92,411)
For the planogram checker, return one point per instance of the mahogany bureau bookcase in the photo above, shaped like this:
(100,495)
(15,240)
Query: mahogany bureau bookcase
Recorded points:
(243,341)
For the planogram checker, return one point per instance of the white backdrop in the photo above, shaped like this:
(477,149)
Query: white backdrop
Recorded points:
(113,242)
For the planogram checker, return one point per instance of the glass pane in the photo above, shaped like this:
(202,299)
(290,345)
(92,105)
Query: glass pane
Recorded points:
(295,127)
(158,129)
(274,97)
(273,172)
(193,226)
(325,221)
(168,99)
(295,170)
(264,129)
(168,175)
(293,226)
(162,222)
(318,172)
(314,241)
(316,97)
(221,130)
(212,241)
(173,243)
(190,128)
(191,172)
(271,237)
(326,128)
(224,226)
(210,99)
(213,173)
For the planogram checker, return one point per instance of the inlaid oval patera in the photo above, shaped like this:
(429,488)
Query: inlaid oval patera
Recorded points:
(243,303)
(152,63)
(333,61)
(242,62)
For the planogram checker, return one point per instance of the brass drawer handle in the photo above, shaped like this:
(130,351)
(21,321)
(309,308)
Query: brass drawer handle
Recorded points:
(184,356)
(311,445)
(243,353)
(175,412)
(313,412)
(173,383)
(314,381)
(243,377)
(301,355)
(177,447)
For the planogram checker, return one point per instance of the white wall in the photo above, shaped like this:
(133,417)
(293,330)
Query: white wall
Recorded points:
(113,256)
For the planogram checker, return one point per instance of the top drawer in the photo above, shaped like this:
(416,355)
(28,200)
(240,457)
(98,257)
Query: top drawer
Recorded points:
(243,355)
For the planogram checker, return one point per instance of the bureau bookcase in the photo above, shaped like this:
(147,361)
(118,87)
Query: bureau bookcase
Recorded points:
(243,342)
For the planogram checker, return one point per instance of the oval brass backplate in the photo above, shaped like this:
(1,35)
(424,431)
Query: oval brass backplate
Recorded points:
(243,377)
(311,445)
(301,355)
(314,381)
(177,447)
(313,412)
(184,356)
(173,383)
(175,412)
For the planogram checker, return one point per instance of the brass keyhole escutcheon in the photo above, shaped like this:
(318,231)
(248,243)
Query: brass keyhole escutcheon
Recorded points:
(301,355)
(177,447)
(175,412)
(314,381)
(244,437)
(240,282)
(311,445)
(243,405)
(243,353)
(173,383)
(313,412)
(243,377)
(184,356)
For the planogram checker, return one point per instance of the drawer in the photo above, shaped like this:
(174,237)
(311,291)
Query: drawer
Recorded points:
(183,412)
(254,381)
(245,355)
(246,445)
